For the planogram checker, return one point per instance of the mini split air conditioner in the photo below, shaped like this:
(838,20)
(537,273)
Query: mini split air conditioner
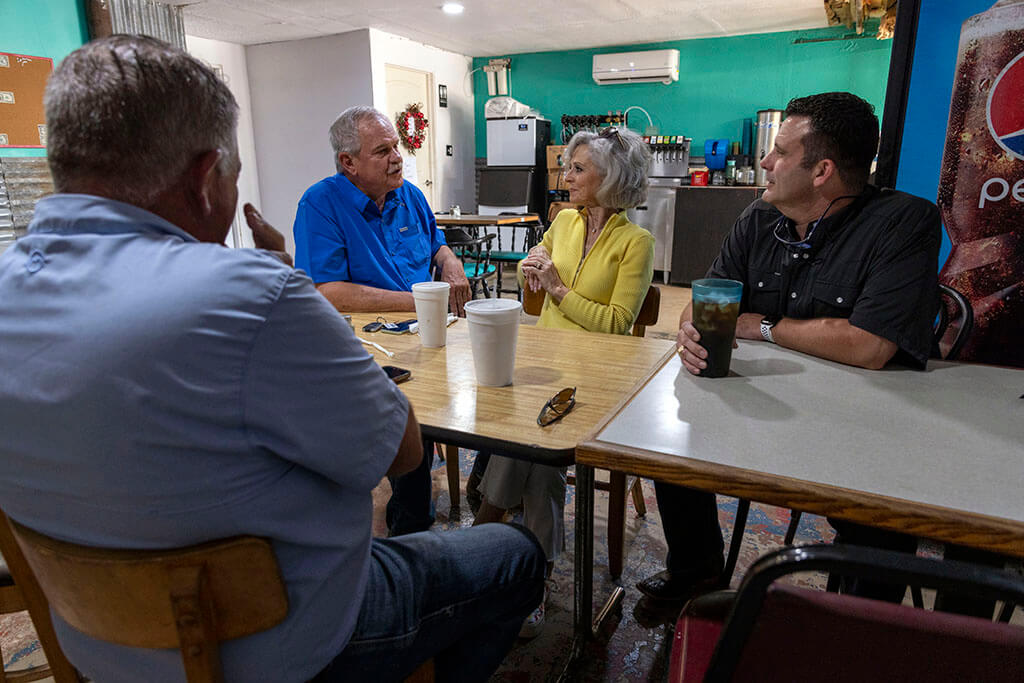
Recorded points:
(652,66)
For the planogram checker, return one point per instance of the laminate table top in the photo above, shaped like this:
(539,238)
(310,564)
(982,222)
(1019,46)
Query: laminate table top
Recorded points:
(606,370)
(937,454)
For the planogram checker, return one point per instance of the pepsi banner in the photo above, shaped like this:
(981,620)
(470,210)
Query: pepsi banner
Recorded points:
(980,184)
(1006,108)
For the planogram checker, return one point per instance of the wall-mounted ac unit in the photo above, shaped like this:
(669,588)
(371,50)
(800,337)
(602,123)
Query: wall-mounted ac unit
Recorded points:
(651,66)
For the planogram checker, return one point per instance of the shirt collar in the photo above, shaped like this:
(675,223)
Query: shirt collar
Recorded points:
(356,197)
(86,213)
(833,224)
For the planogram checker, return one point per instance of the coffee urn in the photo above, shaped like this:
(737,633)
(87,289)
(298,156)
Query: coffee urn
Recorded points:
(767,127)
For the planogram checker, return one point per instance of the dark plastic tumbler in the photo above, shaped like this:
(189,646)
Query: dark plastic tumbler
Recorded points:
(716,305)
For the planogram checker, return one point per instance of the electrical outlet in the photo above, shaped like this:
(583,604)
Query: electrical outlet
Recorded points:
(449,150)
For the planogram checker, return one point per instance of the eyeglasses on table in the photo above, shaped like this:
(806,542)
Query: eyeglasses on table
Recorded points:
(557,407)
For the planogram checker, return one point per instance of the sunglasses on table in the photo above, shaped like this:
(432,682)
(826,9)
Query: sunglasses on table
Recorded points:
(557,407)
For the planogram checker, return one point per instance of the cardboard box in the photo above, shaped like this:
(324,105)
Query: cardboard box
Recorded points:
(555,156)
(556,181)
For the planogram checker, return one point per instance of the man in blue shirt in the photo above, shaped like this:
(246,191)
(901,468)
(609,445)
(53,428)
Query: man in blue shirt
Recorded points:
(365,236)
(160,390)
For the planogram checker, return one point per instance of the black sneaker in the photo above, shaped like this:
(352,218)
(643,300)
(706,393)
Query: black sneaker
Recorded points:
(678,587)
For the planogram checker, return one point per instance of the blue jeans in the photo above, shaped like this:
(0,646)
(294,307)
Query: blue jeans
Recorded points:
(459,597)
(411,506)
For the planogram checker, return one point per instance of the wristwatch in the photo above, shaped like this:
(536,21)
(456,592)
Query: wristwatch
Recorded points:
(767,323)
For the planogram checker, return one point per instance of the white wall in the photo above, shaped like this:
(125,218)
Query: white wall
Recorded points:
(229,59)
(454,176)
(297,90)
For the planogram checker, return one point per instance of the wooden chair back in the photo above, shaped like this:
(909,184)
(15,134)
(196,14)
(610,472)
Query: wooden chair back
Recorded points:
(649,311)
(20,591)
(187,598)
(533,302)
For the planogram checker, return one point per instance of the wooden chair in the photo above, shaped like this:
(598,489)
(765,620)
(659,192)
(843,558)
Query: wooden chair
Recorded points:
(187,598)
(617,484)
(23,593)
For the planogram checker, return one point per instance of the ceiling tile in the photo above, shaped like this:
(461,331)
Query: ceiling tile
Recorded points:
(490,27)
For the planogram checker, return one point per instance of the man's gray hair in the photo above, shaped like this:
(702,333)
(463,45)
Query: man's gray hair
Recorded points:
(344,133)
(129,113)
(621,158)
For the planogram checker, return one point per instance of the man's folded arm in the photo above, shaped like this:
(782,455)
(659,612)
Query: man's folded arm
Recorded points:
(829,338)
(348,297)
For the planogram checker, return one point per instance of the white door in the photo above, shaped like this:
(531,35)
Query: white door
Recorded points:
(406,86)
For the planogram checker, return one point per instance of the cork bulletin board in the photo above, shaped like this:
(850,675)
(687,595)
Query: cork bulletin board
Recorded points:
(22,80)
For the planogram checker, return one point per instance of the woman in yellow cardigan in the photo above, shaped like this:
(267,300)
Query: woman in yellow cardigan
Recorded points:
(595,267)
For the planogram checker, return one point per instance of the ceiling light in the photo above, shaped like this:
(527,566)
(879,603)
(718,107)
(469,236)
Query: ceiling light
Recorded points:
(452,8)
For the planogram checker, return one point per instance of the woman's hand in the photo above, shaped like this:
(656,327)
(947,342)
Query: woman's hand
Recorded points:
(530,273)
(540,272)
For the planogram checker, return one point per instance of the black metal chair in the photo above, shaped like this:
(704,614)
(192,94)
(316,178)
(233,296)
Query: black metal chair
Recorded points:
(778,632)
(475,253)
(956,309)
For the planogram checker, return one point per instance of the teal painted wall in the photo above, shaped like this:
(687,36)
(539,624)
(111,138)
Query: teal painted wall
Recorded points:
(41,28)
(721,82)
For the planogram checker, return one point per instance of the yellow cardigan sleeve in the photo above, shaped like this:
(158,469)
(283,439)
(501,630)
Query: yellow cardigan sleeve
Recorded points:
(636,269)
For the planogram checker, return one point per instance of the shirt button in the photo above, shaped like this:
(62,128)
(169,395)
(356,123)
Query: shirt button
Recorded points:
(807,256)
(839,299)
(796,255)
(792,295)
(760,284)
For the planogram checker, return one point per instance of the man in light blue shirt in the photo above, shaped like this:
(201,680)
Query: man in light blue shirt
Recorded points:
(160,390)
(365,236)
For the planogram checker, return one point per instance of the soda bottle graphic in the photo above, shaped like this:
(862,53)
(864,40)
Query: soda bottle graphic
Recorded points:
(981,184)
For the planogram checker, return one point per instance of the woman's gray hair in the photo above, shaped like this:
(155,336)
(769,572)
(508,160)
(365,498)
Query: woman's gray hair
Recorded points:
(344,133)
(622,159)
(129,113)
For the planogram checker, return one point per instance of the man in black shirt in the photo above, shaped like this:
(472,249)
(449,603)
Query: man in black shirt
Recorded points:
(831,266)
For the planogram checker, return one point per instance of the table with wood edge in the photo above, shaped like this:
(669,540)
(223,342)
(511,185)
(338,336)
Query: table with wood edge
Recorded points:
(935,454)
(451,408)
(473,219)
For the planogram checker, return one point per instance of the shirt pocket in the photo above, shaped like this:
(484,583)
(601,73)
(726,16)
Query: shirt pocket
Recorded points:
(763,292)
(832,300)
(413,247)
